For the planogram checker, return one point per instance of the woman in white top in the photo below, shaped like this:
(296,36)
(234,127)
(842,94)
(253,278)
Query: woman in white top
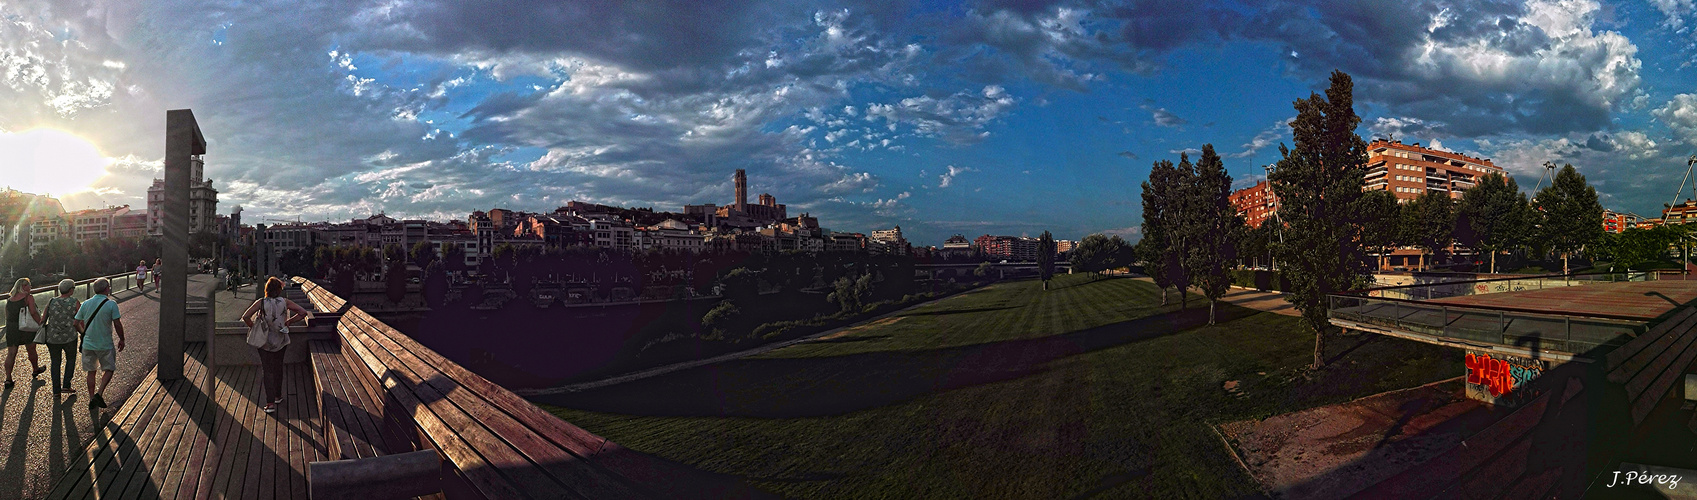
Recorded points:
(141,276)
(277,312)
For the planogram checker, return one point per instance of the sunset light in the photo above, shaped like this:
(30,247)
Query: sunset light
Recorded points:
(48,161)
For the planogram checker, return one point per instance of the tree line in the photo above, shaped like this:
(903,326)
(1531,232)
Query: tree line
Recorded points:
(1330,234)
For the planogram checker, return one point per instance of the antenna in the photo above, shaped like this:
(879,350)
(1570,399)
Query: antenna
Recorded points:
(1688,166)
(1550,172)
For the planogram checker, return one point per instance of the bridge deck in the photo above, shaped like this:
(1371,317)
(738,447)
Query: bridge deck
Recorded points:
(189,438)
(1642,300)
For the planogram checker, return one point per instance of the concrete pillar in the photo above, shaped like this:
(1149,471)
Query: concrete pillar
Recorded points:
(182,141)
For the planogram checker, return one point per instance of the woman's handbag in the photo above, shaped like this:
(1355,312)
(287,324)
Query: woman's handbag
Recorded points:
(27,323)
(268,334)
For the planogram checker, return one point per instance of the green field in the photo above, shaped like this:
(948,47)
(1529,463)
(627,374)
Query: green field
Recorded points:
(1003,392)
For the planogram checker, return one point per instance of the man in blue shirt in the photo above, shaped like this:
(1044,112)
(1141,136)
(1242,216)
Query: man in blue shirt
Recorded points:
(97,319)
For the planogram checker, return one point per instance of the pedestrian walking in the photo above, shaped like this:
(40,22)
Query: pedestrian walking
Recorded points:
(19,335)
(141,276)
(98,318)
(271,336)
(59,332)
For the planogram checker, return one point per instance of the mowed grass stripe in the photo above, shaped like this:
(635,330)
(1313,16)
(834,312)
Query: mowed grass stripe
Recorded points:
(1014,392)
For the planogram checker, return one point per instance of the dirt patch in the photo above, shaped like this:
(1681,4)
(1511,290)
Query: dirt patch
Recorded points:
(1335,451)
(847,331)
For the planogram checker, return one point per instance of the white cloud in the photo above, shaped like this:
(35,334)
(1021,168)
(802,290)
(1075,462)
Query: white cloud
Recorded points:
(948,178)
(1680,114)
(1267,137)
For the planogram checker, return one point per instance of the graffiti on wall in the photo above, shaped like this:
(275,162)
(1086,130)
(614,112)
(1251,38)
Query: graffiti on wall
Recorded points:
(1492,376)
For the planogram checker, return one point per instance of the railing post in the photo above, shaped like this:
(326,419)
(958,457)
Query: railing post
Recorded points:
(1502,326)
(1567,324)
(1396,308)
(1444,325)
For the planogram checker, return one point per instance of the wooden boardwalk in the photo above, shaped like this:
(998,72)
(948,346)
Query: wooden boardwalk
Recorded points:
(1643,300)
(200,438)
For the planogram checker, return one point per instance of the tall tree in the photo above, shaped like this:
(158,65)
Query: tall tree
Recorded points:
(1210,229)
(1572,216)
(1384,229)
(1430,223)
(1319,184)
(1157,248)
(1046,258)
(1493,216)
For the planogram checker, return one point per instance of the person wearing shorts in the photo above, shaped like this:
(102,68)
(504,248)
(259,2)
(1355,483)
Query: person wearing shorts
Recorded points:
(141,276)
(98,318)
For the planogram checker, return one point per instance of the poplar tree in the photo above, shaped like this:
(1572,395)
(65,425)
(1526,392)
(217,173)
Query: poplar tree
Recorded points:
(1571,215)
(1385,231)
(1319,187)
(1211,224)
(1430,223)
(1493,216)
(1158,248)
(1046,258)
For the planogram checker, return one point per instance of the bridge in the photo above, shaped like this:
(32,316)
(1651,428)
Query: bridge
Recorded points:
(1588,368)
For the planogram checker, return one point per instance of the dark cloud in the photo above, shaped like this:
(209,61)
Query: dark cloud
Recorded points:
(1481,67)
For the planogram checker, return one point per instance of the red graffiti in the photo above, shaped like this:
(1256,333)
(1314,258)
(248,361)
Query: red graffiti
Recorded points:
(1494,374)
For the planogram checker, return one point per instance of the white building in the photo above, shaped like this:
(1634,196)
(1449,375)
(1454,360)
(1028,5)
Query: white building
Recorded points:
(203,201)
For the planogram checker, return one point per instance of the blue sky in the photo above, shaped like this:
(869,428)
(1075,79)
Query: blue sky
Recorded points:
(997,116)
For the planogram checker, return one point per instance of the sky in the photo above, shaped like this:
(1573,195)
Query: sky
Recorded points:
(994,116)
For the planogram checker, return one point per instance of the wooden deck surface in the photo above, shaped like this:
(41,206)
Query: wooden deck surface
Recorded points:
(1643,300)
(194,438)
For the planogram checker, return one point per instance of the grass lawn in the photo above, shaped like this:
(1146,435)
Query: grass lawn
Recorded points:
(1003,392)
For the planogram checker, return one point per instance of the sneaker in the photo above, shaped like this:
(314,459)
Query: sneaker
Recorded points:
(97,401)
(270,408)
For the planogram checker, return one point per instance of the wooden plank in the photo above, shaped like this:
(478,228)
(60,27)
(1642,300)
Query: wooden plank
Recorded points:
(221,447)
(127,454)
(1653,395)
(99,446)
(184,464)
(342,423)
(236,484)
(1651,347)
(231,432)
(203,462)
(337,443)
(1630,349)
(160,462)
(571,437)
(158,435)
(256,466)
(1662,362)
(359,412)
(399,431)
(304,451)
(453,445)
(569,470)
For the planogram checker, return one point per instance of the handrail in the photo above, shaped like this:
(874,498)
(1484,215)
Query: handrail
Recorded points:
(84,286)
(1490,280)
(1481,307)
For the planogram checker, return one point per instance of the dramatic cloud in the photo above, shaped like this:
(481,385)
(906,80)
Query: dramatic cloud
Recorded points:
(1680,114)
(1481,67)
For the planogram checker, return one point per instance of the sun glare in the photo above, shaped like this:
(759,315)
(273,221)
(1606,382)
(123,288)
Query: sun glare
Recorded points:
(48,161)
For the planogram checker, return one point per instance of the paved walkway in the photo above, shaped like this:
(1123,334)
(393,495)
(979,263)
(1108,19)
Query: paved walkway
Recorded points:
(1273,302)
(40,432)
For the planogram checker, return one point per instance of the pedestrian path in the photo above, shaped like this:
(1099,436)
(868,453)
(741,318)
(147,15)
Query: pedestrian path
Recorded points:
(1273,302)
(40,432)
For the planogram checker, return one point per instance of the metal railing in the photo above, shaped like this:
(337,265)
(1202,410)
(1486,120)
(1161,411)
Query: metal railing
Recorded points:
(84,291)
(1489,325)
(1439,290)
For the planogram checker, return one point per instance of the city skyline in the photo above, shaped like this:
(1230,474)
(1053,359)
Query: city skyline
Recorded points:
(1001,119)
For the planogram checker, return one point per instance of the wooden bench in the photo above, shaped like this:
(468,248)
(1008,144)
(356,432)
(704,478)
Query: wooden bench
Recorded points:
(355,425)
(497,444)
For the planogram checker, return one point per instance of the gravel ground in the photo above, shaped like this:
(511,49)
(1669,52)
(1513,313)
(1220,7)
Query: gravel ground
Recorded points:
(42,433)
